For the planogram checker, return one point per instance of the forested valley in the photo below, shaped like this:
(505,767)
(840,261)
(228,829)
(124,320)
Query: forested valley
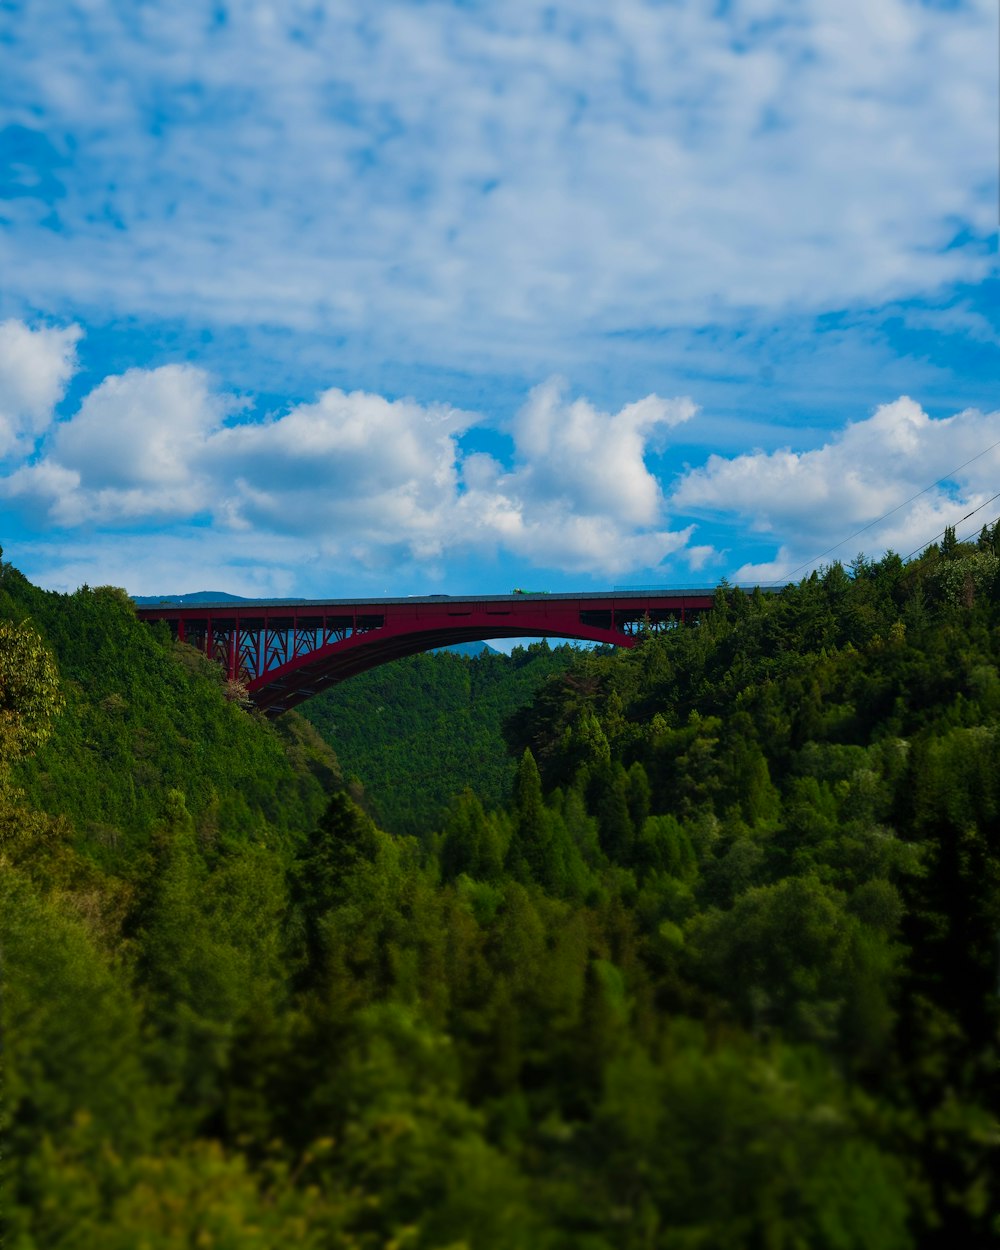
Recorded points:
(423,728)
(704,956)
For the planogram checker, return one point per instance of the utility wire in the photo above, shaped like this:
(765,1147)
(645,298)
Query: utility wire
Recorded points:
(947,477)
(924,546)
(987,525)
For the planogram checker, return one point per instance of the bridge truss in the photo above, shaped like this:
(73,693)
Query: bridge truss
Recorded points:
(285,651)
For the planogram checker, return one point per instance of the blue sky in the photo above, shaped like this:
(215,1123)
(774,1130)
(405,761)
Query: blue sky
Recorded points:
(336,299)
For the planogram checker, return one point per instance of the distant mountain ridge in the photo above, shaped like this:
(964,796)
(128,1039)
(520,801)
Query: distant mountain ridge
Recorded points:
(197,596)
(469,648)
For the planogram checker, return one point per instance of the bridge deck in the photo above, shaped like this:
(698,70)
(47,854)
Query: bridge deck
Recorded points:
(285,650)
(151,611)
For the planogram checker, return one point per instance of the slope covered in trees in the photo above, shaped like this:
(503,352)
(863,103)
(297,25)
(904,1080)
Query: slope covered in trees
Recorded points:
(721,974)
(419,730)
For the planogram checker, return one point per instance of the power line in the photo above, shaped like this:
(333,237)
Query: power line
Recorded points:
(995,521)
(878,520)
(924,546)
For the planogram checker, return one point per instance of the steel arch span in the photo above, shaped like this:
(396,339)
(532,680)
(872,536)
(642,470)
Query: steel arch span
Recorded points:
(285,651)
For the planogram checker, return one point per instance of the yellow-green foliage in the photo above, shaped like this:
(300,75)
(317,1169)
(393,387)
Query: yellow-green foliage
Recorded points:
(30,694)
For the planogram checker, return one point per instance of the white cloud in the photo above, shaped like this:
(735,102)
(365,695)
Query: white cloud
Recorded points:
(142,429)
(812,499)
(355,481)
(35,366)
(697,557)
(593,461)
(471,183)
(132,451)
(579,495)
(555,538)
(360,478)
(767,572)
(348,459)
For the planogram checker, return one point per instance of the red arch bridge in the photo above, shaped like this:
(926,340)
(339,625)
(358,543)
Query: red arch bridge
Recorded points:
(285,651)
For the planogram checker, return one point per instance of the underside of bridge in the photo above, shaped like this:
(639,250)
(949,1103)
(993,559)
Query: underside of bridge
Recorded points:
(285,652)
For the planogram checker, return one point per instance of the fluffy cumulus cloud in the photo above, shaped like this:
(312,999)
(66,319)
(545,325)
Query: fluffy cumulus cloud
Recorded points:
(356,467)
(876,485)
(594,461)
(162,461)
(579,494)
(468,182)
(35,366)
(131,452)
(355,477)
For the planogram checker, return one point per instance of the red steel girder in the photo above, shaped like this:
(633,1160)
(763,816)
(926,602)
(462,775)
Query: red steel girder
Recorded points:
(286,650)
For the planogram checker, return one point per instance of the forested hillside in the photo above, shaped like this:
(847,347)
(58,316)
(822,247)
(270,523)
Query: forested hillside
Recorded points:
(723,973)
(421,728)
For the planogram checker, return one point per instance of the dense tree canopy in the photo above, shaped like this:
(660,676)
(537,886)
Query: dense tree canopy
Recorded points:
(709,962)
(410,729)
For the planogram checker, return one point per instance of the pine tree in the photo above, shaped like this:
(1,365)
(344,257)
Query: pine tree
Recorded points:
(529,854)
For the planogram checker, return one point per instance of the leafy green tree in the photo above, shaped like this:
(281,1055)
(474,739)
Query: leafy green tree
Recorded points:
(725,1146)
(30,694)
(471,842)
(664,846)
(408,1138)
(609,792)
(90,1197)
(72,1046)
(209,954)
(530,852)
(731,982)
(791,956)
(342,841)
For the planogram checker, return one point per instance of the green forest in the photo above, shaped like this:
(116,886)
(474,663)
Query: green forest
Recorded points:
(695,945)
(424,727)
